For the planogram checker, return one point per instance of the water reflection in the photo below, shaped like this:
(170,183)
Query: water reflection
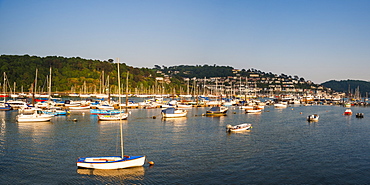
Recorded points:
(136,173)
(254,113)
(244,132)
(2,136)
(176,121)
(281,144)
(312,121)
(37,127)
(220,119)
(80,112)
(37,130)
(111,122)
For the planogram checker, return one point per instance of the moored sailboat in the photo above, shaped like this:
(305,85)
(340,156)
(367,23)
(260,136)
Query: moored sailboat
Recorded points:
(121,115)
(254,110)
(4,105)
(112,162)
(217,111)
(113,117)
(173,113)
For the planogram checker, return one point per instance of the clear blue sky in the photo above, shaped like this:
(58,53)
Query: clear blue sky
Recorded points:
(318,40)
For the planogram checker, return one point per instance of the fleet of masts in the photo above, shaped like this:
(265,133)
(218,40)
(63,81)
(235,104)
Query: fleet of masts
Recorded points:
(193,93)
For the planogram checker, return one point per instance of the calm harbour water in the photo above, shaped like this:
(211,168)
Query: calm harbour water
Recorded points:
(281,148)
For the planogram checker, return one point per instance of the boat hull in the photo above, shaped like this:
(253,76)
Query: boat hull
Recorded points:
(217,111)
(113,117)
(185,106)
(104,112)
(5,108)
(216,114)
(348,112)
(33,119)
(253,110)
(280,106)
(110,162)
(79,108)
(173,113)
(176,115)
(313,117)
(238,128)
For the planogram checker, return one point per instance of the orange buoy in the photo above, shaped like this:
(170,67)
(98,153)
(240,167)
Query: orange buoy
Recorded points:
(151,162)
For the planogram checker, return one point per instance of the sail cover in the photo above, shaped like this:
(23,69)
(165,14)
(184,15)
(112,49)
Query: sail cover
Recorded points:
(169,110)
(215,109)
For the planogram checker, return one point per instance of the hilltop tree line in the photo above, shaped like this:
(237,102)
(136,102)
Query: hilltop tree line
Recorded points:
(92,76)
(70,73)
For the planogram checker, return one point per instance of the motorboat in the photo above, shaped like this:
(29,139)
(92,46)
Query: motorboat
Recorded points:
(237,128)
(280,105)
(173,112)
(37,116)
(17,104)
(254,110)
(5,106)
(347,112)
(27,110)
(313,117)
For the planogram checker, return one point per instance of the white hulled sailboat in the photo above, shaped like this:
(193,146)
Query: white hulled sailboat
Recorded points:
(112,162)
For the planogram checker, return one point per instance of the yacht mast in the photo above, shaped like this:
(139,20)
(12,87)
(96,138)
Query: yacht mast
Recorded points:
(49,88)
(120,109)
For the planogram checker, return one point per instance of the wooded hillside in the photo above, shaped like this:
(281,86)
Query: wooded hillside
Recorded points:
(77,75)
(349,86)
(69,73)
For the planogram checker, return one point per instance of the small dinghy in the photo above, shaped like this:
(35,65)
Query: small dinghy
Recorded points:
(313,117)
(348,112)
(359,115)
(237,128)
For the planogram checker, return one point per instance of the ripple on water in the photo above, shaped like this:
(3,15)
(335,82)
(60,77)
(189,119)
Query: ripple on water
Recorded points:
(281,148)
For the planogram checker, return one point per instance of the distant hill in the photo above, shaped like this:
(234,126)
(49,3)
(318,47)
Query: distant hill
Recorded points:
(348,86)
